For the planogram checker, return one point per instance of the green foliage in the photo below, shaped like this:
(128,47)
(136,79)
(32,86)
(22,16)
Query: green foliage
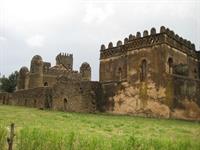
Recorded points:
(9,84)
(52,130)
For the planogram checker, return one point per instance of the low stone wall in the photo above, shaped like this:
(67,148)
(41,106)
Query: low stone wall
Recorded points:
(66,95)
(4,98)
(32,97)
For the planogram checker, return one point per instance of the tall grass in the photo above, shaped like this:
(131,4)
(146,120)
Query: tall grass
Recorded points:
(51,130)
(3,134)
(44,139)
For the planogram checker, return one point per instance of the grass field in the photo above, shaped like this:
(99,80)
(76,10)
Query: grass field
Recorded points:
(53,130)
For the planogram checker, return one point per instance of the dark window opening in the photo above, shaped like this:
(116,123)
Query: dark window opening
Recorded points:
(170,65)
(143,74)
(65,104)
(45,83)
(81,90)
(120,73)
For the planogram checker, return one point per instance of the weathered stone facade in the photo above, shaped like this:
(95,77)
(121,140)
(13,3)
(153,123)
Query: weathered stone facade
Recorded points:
(42,74)
(58,87)
(157,75)
(154,75)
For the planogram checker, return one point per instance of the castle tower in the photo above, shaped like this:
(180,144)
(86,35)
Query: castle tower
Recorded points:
(36,72)
(65,59)
(22,80)
(85,71)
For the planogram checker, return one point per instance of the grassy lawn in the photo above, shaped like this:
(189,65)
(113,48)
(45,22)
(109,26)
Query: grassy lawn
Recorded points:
(52,130)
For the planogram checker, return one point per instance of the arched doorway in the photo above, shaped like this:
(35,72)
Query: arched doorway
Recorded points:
(65,101)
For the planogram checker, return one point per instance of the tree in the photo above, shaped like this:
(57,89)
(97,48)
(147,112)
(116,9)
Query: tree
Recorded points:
(9,84)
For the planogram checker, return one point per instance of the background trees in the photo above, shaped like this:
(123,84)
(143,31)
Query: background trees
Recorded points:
(8,84)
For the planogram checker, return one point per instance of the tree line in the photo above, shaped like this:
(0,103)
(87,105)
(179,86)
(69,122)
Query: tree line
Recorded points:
(8,84)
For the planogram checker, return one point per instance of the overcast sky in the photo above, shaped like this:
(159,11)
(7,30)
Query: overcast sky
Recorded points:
(47,27)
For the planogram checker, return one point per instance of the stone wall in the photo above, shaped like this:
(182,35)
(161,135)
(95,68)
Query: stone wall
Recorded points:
(73,95)
(179,98)
(166,86)
(65,95)
(31,97)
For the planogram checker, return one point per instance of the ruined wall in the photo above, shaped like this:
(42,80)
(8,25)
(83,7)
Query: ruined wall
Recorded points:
(49,80)
(31,97)
(65,95)
(73,95)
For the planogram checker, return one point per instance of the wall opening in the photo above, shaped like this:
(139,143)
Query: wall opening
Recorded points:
(45,83)
(65,101)
(35,103)
(143,69)
(170,65)
(25,102)
(195,73)
(119,73)
(4,99)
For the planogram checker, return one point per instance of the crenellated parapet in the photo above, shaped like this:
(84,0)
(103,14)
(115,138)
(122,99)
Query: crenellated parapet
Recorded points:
(178,42)
(65,59)
(119,49)
(147,39)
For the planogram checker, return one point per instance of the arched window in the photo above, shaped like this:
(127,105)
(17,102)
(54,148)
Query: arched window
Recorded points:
(170,65)
(143,74)
(120,73)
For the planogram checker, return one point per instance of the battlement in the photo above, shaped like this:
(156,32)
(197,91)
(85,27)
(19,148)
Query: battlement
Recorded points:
(165,36)
(64,55)
(65,59)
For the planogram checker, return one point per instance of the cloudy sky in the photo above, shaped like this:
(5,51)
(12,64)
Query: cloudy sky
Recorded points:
(47,27)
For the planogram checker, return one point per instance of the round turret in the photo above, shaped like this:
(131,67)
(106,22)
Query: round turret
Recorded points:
(22,80)
(85,71)
(36,72)
(23,71)
(36,64)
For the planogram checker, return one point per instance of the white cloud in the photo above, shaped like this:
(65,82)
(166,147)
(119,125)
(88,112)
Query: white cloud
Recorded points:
(96,14)
(36,41)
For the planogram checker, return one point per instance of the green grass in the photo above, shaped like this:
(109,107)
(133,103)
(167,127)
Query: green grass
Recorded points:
(53,130)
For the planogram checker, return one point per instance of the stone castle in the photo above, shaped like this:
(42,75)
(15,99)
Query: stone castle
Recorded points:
(42,74)
(154,74)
